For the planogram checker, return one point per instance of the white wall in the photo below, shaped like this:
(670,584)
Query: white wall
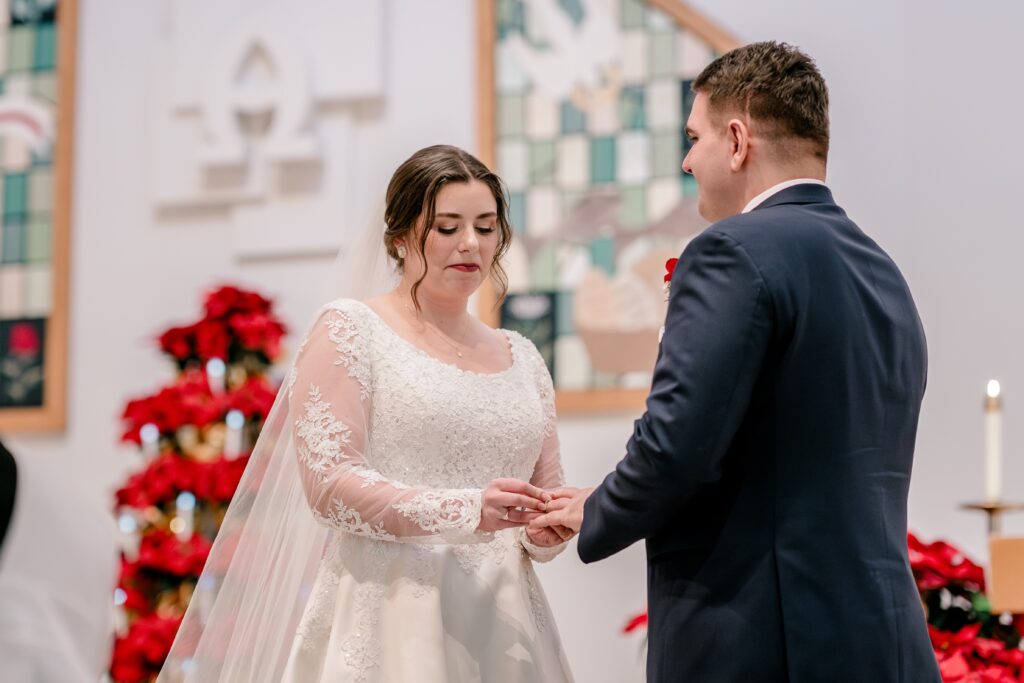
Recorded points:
(925,152)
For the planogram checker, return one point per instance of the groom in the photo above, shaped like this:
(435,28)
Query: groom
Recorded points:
(769,474)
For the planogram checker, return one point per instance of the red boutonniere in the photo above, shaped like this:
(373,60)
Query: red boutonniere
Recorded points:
(670,267)
(637,622)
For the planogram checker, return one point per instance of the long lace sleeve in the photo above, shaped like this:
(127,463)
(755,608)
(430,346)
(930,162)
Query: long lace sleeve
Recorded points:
(330,395)
(547,474)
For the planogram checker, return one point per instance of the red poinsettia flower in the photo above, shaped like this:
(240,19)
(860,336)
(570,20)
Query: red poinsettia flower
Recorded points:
(136,600)
(140,653)
(161,551)
(161,481)
(670,268)
(232,315)
(226,300)
(222,478)
(179,342)
(1013,657)
(954,668)
(130,580)
(188,402)
(23,340)
(948,641)
(936,565)
(212,340)
(258,332)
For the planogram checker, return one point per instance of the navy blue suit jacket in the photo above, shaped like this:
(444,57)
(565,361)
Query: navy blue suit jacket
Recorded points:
(769,473)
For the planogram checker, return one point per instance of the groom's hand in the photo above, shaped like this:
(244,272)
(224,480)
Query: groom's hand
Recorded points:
(549,536)
(566,509)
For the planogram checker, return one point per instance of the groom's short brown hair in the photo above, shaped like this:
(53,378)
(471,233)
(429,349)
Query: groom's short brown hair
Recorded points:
(777,85)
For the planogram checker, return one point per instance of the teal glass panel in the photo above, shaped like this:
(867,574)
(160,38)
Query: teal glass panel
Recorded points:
(602,160)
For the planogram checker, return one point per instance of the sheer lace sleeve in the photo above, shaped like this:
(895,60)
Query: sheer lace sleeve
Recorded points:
(330,394)
(547,474)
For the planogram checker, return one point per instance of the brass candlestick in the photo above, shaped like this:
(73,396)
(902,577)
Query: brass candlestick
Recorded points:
(994,511)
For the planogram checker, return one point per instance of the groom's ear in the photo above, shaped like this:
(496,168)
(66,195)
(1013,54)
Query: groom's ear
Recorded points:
(738,135)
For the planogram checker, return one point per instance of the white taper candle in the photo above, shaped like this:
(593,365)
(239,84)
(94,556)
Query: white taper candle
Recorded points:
(993,443)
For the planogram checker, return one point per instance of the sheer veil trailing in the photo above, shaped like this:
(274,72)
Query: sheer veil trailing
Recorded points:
(242,619)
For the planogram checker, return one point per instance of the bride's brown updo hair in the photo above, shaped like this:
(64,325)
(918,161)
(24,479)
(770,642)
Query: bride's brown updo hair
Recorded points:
(412,193)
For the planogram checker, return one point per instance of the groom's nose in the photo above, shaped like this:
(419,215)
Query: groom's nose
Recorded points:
(687,168)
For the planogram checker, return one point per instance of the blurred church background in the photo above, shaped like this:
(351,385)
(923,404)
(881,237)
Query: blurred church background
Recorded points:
(238,142)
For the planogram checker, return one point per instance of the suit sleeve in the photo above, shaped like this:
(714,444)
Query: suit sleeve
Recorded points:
(717,331)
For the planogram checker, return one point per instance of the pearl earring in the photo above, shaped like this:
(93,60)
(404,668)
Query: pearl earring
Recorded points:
(401,251)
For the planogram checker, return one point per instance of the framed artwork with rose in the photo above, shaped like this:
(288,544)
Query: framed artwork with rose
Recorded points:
(582,111)
(37,49)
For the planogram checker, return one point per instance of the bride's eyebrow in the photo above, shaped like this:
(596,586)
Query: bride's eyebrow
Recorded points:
(490,214)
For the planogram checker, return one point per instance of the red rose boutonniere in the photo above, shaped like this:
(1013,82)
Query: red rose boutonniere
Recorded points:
(670,268)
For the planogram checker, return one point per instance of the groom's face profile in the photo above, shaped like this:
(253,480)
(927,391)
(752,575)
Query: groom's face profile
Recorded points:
(712,161)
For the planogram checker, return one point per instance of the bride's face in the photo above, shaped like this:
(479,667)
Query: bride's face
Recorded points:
(460,244)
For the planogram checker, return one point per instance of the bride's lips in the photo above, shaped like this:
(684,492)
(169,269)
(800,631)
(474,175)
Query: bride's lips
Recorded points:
(466,267)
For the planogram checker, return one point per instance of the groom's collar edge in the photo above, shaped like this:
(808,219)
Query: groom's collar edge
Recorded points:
(804,193)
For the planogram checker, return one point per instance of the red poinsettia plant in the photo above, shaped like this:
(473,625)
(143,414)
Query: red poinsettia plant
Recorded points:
(191,402)
(168,475)
(970,642)
(140,653)
(195,434)
(236,323)
(972,645)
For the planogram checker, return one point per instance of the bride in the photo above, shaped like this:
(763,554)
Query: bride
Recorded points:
(380,532)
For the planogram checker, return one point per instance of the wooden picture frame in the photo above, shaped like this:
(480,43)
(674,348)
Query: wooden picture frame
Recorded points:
(50,414)
(685,18)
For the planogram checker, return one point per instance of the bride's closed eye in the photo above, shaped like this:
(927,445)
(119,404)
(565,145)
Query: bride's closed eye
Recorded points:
(483,230)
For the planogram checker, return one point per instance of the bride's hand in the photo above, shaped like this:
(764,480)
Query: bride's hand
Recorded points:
(501,500)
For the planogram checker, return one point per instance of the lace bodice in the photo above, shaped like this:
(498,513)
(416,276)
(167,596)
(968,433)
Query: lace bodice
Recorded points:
(394,444)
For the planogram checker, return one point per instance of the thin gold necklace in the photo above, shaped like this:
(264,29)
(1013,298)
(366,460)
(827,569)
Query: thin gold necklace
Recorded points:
(443,336)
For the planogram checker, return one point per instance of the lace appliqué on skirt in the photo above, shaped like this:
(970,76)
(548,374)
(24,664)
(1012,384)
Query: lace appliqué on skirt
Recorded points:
(472,556)
(361,649)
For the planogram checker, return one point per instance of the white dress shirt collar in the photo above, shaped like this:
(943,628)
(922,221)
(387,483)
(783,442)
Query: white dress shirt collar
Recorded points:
(775,189)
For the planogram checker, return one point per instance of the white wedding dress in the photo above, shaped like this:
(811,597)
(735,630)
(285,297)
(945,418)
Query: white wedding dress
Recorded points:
(395,446)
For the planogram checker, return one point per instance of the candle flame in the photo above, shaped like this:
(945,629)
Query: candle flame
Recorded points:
(993,388)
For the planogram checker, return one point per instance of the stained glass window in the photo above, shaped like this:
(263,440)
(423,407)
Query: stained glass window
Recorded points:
(32,247)
(591,99)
